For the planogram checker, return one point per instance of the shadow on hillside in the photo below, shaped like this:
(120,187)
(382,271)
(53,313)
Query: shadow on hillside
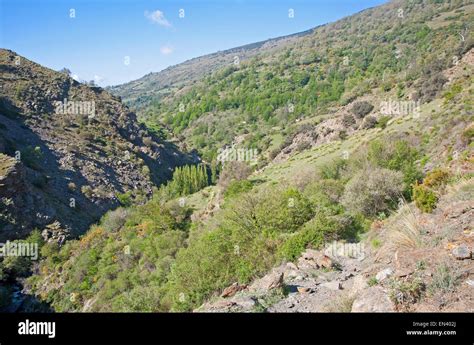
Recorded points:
(50,197)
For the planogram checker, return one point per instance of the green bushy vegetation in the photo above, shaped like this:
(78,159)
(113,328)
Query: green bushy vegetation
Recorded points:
(186,180)
(397,156)
(236,187)
(13,267)
(176,264)
(307,78)
(125,199)
(117,268)
(425,194)
(373,191)
(425,198)
(361,109)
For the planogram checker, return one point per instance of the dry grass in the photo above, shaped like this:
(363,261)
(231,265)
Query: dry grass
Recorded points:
(342,304)
(405,231)
(462,188)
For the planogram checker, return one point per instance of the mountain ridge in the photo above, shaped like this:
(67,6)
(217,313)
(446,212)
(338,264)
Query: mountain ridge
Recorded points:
(51,124)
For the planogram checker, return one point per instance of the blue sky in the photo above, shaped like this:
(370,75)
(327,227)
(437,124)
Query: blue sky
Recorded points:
(103,33)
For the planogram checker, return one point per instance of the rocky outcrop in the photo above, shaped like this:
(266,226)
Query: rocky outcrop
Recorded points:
(373,299)
(435,275)
(18,201)
(78,146)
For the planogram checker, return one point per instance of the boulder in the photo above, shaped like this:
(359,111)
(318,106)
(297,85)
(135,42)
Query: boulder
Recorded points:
(271,281)
(232,290)
(332,285)
(384,274)
(303,289)
(359,284)
(314,259)
(373,299)
(462,252)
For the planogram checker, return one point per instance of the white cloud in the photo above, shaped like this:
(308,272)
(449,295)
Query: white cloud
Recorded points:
(98,79)
(158,17)
(166,50)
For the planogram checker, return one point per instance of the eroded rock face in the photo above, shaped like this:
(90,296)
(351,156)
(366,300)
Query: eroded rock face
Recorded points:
(21,208)
(232,290)
(78,146)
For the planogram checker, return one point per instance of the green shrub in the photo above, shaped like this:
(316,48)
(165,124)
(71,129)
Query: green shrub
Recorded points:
(324,192)
(468,135)
(361,109)
(13,267)
(399,156)
(369,122)
(372,191)
(343,135)
(383,121)
(424,197)
(444,279)
(348,120)
(125,199)
(237,187)
(87,191)
(334,169)
(372,281)
(123,270)
(376,243)
(283,211)
(436,178)
(243,245)
(114,220)
(32,157)
(406,292)
(318,231)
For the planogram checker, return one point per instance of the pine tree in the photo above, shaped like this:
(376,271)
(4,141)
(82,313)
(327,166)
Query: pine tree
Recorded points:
(213,172)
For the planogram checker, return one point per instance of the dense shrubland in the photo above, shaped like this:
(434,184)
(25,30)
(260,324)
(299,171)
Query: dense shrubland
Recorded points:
(144,258)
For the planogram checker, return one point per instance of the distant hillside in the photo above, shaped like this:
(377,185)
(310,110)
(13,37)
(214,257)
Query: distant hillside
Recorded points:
(141,92)
(287,86)
(68,150)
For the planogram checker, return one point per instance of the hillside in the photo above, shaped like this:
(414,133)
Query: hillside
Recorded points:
(142,92)
(360,132)
(263,102)
(68,151)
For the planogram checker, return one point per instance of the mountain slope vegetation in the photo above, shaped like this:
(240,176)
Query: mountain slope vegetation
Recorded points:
(262,101)
(354,123)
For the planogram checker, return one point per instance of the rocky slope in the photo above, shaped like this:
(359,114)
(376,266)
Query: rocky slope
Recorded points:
(432,274)
(69,150)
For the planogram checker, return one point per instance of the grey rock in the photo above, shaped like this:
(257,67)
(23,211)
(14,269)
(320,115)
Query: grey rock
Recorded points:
(332,285)
(373,299)
(384,274)
(462,252)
